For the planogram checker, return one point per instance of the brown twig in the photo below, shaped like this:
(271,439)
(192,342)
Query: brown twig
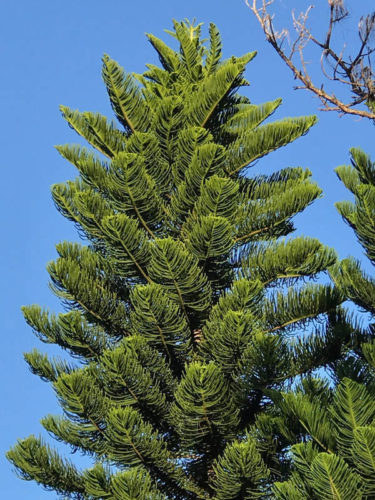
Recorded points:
(357,72)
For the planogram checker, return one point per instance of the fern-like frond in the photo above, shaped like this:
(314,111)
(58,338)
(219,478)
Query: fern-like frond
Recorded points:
(353,407)
(298,486)
(271,217)
(303,456)
(158,78)
(134,191)
(368,349)
(81,398)
(94,127)
(168,120)
(363,165)
(178,272)
(208,237)
(132,441)
(132,484)
(347,211)
(34,460)
(188,141)
(255,144)
(46,368)
(218,197)
(69,330)
(240,472)
(87,437)
(127,244)
(287,260)
(332,479)
(93,171)
(364,219)
(158,366)
(127,382)
(203,407)
(309,417)
(293,489)
(323,346)
(83,206)
(232,324)
(167,56)
(147,146)
(299,306)
(205,100)
(363,456)
(190,49)
(159,320)
(349,176)
(81,285)
(213,54)
(125,96)
(250,116)
(355,283)
(263,363)
(207,160)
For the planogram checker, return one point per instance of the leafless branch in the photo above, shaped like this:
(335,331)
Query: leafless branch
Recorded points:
(356,71)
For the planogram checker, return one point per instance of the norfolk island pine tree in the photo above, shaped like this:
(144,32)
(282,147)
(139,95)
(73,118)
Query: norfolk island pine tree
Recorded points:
(336,459)
(182,305)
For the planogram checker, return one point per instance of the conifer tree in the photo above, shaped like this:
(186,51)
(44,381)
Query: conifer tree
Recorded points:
(334,434)
(185,305)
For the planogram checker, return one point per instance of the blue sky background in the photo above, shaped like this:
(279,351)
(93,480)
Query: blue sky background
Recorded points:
(50,55)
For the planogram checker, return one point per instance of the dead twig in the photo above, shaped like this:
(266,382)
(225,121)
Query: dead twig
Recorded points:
(356,71)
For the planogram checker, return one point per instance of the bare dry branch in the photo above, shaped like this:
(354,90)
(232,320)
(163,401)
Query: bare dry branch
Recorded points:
(356,71)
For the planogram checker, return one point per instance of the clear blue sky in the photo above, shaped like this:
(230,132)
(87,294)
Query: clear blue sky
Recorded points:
(50,55)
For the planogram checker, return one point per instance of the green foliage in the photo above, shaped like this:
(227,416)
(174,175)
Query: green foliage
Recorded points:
(47,369)
(295,258)
(342,462)
(240,472)
(333,480)
(339,440)
(232,325)
(358,285)
(37,461)
(178,318)
(93,127)
(125,96)
(214,89)
(178,272)
(363,456)
(159,320)
(203,410)
(352,407)
(132,484)
(252,145)
(286,311)
(127,382)
(360,179)
(70,331)
(129,247)
(250,117)
(339,429)
(269,203)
